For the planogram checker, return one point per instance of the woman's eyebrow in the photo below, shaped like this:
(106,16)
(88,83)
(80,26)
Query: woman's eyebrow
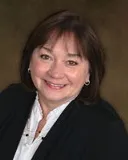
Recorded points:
(48,49)
(73,55)
(68,54)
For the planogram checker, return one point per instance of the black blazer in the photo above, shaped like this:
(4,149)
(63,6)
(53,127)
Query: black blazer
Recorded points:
(82,132)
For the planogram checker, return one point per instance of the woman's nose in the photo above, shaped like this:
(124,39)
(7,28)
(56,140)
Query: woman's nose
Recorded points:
(56,70)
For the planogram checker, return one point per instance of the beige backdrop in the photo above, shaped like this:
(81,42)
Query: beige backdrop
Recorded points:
(110,17)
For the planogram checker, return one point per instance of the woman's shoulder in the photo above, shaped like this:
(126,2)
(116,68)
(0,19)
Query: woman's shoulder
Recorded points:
(13,98)
(14,87)
(15,90)
(101,111)
(103,125)
(15,94)
(106,109)
(101,117)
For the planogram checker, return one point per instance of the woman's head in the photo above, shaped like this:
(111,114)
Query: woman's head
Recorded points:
(69,27)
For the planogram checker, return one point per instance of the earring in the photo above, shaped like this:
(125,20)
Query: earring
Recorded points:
(87,83)
(28,70)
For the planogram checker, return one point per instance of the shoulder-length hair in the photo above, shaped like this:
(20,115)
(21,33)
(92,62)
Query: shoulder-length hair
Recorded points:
(87,42)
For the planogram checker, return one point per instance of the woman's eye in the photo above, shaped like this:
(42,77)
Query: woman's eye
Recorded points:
(72,63)
(45,56)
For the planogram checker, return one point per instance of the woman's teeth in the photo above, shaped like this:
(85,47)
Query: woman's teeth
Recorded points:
(55,85)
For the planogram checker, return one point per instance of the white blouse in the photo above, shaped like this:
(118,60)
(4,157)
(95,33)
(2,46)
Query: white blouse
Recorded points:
(28,145)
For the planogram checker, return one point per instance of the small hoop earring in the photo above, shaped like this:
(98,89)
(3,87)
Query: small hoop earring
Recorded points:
(28,70)
(87,83)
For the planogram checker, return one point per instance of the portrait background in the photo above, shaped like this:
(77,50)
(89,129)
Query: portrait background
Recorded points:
(110,17)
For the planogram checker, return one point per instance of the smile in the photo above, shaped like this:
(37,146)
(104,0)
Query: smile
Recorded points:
(55,86)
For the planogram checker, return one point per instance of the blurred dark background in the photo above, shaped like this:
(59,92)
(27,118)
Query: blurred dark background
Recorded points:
(110,17)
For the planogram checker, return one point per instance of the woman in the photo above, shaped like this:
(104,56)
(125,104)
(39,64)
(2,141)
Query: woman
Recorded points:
(56,112)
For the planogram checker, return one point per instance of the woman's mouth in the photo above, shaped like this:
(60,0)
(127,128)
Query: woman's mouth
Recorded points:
(54,86)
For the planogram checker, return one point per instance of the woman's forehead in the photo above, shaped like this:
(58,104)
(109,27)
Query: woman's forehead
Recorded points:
(67,40)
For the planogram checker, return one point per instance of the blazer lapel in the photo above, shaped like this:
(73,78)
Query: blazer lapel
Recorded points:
(56,132)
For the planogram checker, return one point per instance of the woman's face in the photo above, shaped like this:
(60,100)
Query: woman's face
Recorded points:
(58,72)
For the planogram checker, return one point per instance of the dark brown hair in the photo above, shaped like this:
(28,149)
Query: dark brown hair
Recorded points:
(88,44)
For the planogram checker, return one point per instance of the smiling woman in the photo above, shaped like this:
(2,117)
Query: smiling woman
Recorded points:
(56,72)
(56,112)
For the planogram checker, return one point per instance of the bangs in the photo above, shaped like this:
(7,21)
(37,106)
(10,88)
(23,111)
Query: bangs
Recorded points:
(56,34)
